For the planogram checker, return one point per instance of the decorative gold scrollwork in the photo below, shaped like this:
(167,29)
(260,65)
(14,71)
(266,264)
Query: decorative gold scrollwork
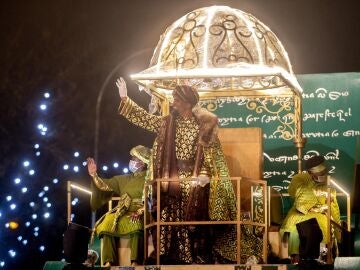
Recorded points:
(230,48)
(282,108)
(182,50)
(211,105)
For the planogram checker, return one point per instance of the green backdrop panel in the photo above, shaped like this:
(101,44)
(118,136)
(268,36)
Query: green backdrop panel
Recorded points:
(331,124)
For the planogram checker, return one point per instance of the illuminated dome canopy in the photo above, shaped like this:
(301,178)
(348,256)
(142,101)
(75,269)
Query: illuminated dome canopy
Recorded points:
(225,52)
(220,51)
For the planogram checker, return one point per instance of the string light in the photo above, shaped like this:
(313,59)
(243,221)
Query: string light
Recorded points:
(38,209)
(12,253)
(74,201)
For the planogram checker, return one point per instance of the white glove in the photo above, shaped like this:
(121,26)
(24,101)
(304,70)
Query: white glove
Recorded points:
(121,85)
(202,180)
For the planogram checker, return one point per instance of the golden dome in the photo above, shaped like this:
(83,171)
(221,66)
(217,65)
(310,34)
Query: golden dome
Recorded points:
(218,48)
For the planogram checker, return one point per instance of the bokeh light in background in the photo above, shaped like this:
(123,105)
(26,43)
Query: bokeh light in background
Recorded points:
(32,206)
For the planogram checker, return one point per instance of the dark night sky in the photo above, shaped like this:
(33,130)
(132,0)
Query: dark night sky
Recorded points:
(76,48)
(73,47)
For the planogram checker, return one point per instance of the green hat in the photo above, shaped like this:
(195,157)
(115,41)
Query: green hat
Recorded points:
(141,152)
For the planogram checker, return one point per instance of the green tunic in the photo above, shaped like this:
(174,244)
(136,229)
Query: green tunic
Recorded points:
(116,222)
(307,194)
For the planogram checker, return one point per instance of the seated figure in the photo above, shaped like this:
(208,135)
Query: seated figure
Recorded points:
(125,220)
(309,191)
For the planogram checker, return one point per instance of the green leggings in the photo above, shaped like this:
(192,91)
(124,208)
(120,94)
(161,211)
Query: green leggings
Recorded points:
(109,252)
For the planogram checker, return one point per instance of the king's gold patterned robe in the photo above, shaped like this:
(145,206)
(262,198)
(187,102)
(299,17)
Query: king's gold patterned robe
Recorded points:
(190,134)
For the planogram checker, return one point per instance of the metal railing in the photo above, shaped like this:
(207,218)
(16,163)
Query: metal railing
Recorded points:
(150,222)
